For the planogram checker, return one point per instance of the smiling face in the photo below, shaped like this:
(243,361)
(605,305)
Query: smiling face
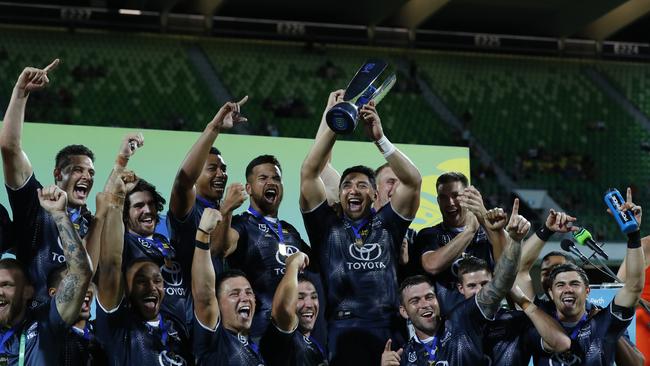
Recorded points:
(307,308)
(387,183)
(143,216)
(236,304)
(569,294)
(452,214)
(419,303)
(472,282)
(265,188)
(356,195)
(212,181)
(76,179)
(14,295)
(145,288)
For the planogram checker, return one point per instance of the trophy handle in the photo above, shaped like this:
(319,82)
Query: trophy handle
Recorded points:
(366,75)
(385,87)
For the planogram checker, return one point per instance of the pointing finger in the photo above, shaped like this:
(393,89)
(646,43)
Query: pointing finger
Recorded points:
(388,345)
(515,207)
(243,101)
(52,65)
(629,194)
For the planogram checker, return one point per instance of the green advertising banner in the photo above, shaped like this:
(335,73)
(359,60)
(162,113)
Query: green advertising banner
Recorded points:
(163,151)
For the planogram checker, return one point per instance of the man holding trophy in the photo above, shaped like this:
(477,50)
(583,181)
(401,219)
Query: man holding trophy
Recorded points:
(358,250)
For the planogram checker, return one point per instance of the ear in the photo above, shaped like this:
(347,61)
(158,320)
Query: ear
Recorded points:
(248,189)
(402,312)
(51,291)
(588,290)
(57,175)
(459,286)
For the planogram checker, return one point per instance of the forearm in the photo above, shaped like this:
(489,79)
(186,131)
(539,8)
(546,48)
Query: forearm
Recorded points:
(285,300)
(499,241)
(552,333)
(12,129)
(72,288)
(404,169)
(192,165)
(530,251)
(110,259)
(490,296)
(627,354)
(224,242)
(442,258)
(203,283)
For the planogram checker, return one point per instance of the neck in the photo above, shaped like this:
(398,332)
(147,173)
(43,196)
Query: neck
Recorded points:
(142,235)
(273,212)
(81,324)
(424,334)
(305,333)
(570,318)
(243,332)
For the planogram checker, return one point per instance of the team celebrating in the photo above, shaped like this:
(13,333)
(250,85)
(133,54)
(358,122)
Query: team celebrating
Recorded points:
(224,289)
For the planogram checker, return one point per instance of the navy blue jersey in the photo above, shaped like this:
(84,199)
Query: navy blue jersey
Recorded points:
(129,340)
(259,256)
(360,280)
(182,232)
(433,238)
(222,347)
(176,272)
(41,333)
(421,353)
(507,338)
(593,339)
(462,339)
(38,245)
(81,348)
(308,351)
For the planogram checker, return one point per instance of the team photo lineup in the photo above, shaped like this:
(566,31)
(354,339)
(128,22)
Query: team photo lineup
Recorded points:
(363,288)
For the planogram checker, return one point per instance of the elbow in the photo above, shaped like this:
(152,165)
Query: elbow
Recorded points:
(561,344)
(431,265)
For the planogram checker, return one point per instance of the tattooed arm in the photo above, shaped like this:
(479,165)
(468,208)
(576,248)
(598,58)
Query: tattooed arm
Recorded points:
(72,288)
(505,272)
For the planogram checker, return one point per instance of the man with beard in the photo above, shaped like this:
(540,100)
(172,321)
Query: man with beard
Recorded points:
(33,336)
(457,338)
(37,241)
(200,183)
(225,310)
(595,333)
(132,325)
(80,347)
(358,252)
(259,241)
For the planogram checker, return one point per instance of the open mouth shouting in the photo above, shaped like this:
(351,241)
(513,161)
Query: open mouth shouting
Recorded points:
(149,303)
(270,194)
(568,300)
(218,184)
(81,190)
(354,204)
(4,305)
(244,312)
(307,315)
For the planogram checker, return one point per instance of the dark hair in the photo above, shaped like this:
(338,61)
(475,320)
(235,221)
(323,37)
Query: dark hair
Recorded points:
(568,267)
(360,169)
(412,281)
(214,151)
(62,158)
(56,275)
(470,264)
(143,186)
(262,159)
(556,253)
(303,278)
(12,264)
(231,273)
(450,177)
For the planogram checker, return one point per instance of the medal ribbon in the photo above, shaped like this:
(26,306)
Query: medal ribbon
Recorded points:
(277,231)
(356,228)
(159,244)
(576,329)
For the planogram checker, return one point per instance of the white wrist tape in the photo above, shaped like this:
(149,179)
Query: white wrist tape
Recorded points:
(385,147)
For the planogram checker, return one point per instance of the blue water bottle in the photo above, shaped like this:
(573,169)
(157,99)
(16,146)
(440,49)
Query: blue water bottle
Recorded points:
(625,219)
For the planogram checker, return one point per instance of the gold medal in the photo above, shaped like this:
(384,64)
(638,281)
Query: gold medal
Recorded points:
(359,242)
(168,262)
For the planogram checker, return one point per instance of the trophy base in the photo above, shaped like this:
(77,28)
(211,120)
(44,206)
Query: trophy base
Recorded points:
(342,118)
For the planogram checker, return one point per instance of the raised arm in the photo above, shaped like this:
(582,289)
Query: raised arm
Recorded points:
(556,222)
(440,259)
(312,189)
(225,238)
(490,295)
(406,199)
(553,335)
(471,199)
(206,307)
(72,289)
(629,295)
(183,193)
(16,165)
(329,175)
(110,287)
(285,299)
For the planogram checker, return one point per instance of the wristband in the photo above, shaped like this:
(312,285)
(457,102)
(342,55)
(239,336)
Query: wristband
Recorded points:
(122,160)
(634,239)
(544,233)
(201,245)
(385,147)
(203,231)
